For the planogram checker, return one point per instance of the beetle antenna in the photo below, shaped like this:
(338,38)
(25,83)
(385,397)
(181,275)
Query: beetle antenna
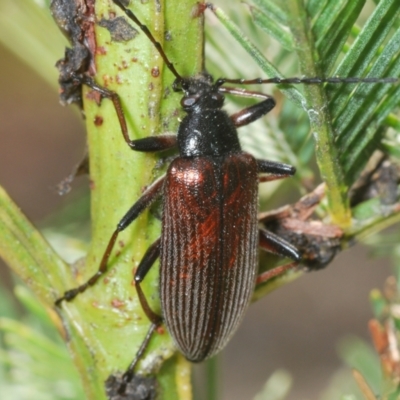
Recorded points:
(146,31)
(311,81)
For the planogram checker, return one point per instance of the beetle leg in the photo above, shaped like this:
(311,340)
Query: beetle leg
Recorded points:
(275,170)
(149,195)
(276,245)
(148,260)
(128,374)
(152,143)
(252,113)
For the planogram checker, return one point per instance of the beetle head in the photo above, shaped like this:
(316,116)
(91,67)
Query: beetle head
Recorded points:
(199,92)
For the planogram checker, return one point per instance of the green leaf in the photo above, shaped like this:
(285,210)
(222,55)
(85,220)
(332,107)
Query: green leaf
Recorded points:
(269,25)
(330,44)
(272,10)
(315,7)
(34,361)
(327,17)
(27,252)
(357,125)
(364,50)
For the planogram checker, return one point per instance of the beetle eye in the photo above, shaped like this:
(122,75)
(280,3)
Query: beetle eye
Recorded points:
(189,101)
(217,97)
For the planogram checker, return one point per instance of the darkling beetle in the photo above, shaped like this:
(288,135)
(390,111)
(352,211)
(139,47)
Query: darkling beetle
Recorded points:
(209,241)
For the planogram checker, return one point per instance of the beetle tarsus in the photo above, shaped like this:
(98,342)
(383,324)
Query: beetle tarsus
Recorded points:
(128,374)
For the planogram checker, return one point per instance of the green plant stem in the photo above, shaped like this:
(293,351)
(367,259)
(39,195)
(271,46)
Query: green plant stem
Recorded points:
(326,153)
(212,378)
(375,217)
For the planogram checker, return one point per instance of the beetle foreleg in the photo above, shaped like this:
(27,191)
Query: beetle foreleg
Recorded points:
(276,245)
(153,143)
(149,195)
(254,112)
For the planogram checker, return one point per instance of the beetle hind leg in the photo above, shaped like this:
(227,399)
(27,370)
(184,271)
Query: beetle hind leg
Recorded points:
(276,245)
(129,374)
(275,170)
(151,255)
